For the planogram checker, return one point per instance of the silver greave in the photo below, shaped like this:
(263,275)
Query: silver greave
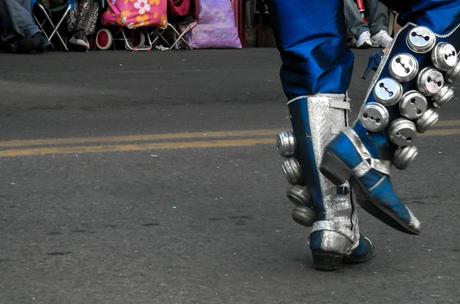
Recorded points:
(335,217)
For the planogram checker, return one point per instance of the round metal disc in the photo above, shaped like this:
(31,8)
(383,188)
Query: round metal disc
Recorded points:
(388,91)
(403,67)
(420,39)
(430,81)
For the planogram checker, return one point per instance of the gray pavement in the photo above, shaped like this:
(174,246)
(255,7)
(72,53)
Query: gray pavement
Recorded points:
(174,210)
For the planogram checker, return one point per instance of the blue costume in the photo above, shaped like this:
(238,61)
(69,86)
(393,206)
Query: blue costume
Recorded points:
(325,159)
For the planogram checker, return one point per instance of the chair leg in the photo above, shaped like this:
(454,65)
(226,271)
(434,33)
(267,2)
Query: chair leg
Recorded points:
(55,27)
(180,37)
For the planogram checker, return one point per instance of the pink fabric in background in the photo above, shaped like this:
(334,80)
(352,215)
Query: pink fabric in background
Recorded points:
(136,13)
(216,26)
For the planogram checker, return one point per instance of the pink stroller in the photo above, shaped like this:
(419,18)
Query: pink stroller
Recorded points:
(132,18)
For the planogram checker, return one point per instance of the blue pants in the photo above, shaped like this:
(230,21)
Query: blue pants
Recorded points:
(311,39)
(16,17)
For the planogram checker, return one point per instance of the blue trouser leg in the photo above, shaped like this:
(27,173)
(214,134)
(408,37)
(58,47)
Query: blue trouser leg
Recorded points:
(310,37)
(17,18)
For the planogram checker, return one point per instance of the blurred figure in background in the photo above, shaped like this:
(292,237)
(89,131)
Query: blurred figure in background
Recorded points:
(19,32)
(82,23)
(375,33)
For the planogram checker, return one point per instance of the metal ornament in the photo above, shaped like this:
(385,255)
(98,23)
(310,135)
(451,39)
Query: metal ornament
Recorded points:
(304,216)
(292,170)
(402,132)
(420,39)
(444,56)
(430,81)
(375,117)
(453,74)
(388,91)
(428,119)
(403,67)
(286,143)
(299,196)
(413,105)
(444,96)
(404,156)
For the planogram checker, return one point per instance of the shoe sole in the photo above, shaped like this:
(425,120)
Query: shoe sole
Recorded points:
(348,259)
(327,261)
(79,44)
(338,173)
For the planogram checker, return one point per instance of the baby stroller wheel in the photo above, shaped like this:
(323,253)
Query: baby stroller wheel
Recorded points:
(104,39)
(136,39)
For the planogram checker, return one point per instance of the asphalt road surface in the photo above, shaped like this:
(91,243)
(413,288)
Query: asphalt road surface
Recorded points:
(153,178)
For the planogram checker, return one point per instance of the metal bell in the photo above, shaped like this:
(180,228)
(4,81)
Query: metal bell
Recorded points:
(413,105)
(404,156)
(402,132)
(304,216)
(428,119)
(292,170)
(453,74)
(375,117)
(430,81)
(299,195)
(444,96)
(388,91)
(403,67)
(420,39)
(444,56)
(286,143)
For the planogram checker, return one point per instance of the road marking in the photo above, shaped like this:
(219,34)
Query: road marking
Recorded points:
(141,143)
(447,123)
(155,137)
(441,132)
(137,147)
(134,138)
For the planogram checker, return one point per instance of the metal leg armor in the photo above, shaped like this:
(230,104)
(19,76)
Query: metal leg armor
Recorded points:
(321,204)
(410,84)
(315,74)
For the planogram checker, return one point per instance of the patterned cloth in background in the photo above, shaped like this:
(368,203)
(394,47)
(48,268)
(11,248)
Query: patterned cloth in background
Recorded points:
(83,16)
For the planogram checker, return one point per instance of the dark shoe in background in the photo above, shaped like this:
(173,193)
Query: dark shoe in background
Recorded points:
(79,41)
(44,43)
(22,46)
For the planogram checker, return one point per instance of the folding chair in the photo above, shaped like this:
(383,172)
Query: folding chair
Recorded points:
(182,17)
(172,35)
(47,19)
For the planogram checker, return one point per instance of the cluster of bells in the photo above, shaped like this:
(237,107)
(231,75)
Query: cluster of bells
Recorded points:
(417,108)
(297,193)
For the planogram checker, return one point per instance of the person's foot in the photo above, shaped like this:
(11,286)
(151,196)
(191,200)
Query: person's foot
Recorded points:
(80,41)
(22,45)
(361,254)
(381,39)
(364,40)
(44,43)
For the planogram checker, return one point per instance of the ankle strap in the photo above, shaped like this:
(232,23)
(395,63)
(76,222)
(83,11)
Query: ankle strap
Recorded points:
(368,163)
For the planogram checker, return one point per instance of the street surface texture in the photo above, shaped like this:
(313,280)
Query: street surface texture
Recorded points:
(154,178)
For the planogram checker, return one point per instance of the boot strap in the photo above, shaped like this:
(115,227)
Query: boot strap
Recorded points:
(368,163)
(335,227)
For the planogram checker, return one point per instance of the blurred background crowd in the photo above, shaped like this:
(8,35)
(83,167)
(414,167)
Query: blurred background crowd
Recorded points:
(80,25)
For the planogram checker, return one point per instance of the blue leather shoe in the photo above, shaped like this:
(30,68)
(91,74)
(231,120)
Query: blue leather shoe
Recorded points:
(361,254)
(410,84)
(348,157)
